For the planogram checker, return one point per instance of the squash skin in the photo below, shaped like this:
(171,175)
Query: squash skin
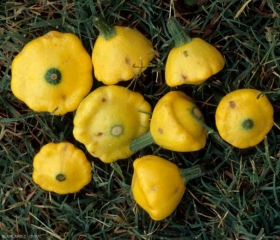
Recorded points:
(157,186)
(235,109)
(62,51)
(192,63)
(61,158)
(172,125)
(121,57)
(108,119)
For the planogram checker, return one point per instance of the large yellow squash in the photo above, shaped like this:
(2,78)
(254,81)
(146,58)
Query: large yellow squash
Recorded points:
(52,73)
(174,124)
(108,119)
(244,117)
(120,53)
(177,124)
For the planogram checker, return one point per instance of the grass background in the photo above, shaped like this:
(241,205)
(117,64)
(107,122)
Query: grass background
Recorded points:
(238,198)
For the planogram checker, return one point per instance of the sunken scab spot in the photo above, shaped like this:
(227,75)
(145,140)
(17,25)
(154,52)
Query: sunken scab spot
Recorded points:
(232,104)
(127,60)
(160,131)
(103,99)
(63,96)
(185,53)
(99,134)
(184,77)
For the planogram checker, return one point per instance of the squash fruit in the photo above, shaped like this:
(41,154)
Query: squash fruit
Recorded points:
(243,117)
(61,168)
(119,53)
(108,119)
(158,185)
(192,60)
(177,124)
(52,73)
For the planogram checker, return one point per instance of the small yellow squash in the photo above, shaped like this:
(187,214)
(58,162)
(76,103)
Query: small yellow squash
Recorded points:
(244,117)
(158,185)
(120,53)
(191,61)
(61,168)
(52,73)
(108,119)
(177,124)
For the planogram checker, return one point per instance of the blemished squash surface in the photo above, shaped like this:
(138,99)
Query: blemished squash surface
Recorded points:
(244,117)
(52,73)
(61,168)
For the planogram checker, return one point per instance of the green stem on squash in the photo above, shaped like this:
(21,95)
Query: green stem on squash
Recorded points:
(210,130)
(191,173)
(141,142)
(177,31)
(106,30)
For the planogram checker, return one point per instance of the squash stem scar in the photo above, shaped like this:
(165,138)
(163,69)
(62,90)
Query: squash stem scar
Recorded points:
(248,124)
(116,130)
(60,177)
(53,76)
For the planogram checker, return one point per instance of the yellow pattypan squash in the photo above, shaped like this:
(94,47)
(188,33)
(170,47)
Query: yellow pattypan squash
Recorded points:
(120,53)
(175,125)
(191,61)
(158,185)
(244,117)
(108,119)
(52,73)
(61,168)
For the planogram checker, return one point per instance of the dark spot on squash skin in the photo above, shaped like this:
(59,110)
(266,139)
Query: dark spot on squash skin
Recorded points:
(103,100)
(184,77)
(160,131)
(63,96)
(99,134)
(127,61)
(232,104)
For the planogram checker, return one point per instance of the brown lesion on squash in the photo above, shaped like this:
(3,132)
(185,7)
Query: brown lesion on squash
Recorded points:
(103,99)
(160,131)
(127,60)
(185,53)
(99,134)
(63,96)
(232,104)
(184,77)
